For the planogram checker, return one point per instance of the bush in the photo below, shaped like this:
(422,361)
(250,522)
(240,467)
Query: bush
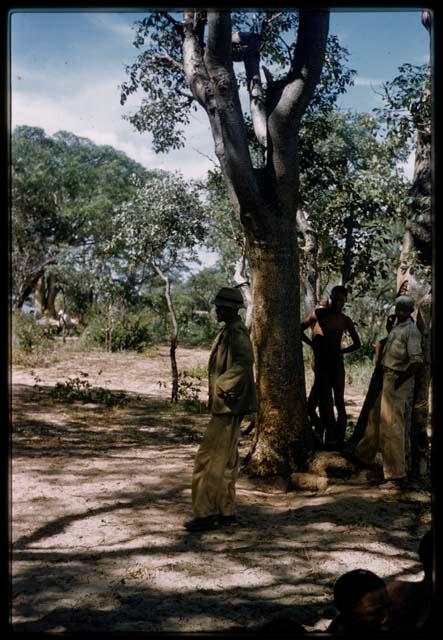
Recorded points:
(79,388)
(131,331)
(200,331)
(189,388)
(363,355)
(28,337)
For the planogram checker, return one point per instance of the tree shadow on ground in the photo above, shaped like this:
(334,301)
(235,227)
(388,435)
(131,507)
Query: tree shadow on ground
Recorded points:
(114,428)
(289,545)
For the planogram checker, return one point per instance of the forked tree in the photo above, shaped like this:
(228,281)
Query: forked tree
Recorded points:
(197,54)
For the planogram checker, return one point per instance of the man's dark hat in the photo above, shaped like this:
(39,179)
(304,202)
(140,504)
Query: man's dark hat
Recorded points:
(228,297)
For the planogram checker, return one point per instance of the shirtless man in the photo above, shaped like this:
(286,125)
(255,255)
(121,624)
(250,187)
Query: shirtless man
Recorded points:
(410,607)
(327,328)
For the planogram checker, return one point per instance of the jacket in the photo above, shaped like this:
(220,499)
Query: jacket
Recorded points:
(231,368)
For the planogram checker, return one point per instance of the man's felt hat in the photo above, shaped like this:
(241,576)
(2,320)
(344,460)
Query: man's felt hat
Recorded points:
(404,302)
(228,297)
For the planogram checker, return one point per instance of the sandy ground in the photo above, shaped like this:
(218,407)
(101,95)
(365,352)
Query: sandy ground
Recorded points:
(100,495)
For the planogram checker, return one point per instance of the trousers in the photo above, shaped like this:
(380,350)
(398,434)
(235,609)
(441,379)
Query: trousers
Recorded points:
(385,432)
(330,377)
(216,467)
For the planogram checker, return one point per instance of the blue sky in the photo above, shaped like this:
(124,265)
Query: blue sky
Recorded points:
(66,68)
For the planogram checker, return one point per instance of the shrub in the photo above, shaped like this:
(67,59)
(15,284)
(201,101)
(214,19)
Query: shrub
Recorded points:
(200,331)
(29,342)
(131,331)
(364,355)
(80,389)
(189,386)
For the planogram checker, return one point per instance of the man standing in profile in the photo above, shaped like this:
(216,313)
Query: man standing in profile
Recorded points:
(402,358)
(327,328)
(231,396)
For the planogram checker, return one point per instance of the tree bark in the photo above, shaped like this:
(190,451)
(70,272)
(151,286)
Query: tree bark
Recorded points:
(347,256)
(39,296)
(240,277)
(282,434)
(30,281)
(309,271)
(51,293)
(174,334)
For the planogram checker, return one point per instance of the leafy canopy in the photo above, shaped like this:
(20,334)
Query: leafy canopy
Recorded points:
(167,104)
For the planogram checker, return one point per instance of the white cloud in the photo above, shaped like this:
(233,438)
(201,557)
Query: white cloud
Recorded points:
(94,112)
(107,22)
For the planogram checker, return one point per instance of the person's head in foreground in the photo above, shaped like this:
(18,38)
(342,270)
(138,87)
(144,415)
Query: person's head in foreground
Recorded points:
(404,306)
(227,303)
(338,297)
(362,600)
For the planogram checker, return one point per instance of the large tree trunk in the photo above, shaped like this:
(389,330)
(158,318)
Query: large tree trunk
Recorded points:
(39,296)
(51,294)
(282,442)
(30,281)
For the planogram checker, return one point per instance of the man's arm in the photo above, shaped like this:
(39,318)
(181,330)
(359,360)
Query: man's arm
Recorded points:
(379,346)
(415,355)
(354,337)
(404,375)
(230,384)
(307,322)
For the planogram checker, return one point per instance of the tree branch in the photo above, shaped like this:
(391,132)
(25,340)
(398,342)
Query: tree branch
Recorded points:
(232,147)
(267,21)
(288,101)
(178,26)
(305,70)
(167,58)
(246,49)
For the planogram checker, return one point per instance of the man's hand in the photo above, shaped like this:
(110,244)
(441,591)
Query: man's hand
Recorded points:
(400,379)
(219,392)
(404,375)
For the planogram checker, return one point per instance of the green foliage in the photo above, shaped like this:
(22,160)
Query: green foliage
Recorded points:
(192,299)
(364,354)
(355,195)
(161,224)
(225,232)
(27,335)
(126,331)
(189,386)
(407,109)
(158,72)
(200,331)
(64,192)
(407,104)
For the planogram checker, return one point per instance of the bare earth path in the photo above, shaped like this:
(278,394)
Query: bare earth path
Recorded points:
(100,495)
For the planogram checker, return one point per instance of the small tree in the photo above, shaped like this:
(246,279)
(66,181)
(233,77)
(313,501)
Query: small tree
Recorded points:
(160,228)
